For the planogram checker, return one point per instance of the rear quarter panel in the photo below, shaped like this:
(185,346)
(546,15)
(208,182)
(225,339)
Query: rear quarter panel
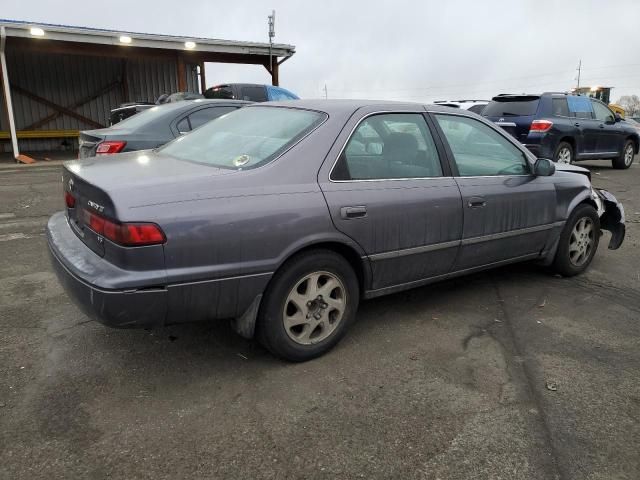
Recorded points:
(226,236)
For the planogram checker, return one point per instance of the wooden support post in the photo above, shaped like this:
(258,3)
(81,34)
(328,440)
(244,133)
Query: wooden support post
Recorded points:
(274,71)
(124,84)
(203,81)
(182,75)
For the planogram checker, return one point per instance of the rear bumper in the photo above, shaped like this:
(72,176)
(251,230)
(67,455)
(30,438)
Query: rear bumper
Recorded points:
(125,298)
(119,309)
(74,264)
(542,145)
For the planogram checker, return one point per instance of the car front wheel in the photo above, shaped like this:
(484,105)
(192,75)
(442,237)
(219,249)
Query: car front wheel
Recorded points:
(625,160)
(308,306)
(564,153)
(578,241)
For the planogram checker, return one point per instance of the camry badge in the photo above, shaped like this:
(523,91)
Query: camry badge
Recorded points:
(95,206)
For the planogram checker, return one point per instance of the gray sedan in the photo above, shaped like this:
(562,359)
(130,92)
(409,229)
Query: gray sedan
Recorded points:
(154,126)
(283,216)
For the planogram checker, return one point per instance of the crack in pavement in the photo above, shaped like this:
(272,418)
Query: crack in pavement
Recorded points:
(532,391)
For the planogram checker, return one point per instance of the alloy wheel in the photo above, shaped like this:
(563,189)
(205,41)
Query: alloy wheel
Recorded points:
(628,155)
(581,241)
(314,308)
(564,155)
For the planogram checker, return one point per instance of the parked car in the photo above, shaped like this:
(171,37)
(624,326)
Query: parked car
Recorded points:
(566,127)
(475,106)
(127,110)
(153,127)
(270,216)
(249,91)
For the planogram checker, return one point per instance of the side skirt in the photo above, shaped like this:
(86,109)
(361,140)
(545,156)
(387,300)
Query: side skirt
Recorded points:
(426,281)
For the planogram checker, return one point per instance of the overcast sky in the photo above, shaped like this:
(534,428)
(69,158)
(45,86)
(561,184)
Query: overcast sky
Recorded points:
(403,50)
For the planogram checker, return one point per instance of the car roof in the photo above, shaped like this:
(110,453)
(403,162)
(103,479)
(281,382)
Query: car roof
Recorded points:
(186,104)
(345,106)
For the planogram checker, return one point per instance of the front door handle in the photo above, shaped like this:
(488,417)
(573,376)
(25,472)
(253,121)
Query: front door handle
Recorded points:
(477,202)
(577,124)
(353,212)
(602,125)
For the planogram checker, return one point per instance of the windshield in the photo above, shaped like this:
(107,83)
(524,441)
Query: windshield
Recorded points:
(246,138)
(511,108)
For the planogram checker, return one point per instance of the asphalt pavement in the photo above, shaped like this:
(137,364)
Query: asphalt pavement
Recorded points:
(508,374)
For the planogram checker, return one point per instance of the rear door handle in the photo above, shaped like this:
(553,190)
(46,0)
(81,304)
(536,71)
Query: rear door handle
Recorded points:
(601,125)
(477,202)
(577,124)
(353,212)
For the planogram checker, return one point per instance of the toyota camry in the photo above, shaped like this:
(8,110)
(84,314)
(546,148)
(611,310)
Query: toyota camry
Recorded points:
(283,216)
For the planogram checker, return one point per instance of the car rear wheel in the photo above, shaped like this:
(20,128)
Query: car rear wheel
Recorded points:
(308,306)
(564,153)
(625,160)
(578,241)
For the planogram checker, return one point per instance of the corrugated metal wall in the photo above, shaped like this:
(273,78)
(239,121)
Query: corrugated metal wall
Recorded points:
(68,80)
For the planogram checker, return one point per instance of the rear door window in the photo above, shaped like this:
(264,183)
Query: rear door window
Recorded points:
(580,107)
(183,126)
(559,107)
(511,108)
(202,116)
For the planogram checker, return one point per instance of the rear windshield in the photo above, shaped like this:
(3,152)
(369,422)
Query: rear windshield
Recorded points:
(246,138)
(223,91)
(511,108)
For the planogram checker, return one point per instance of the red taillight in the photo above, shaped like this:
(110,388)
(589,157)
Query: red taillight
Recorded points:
(541,126)
(69,199)
(110,146)
(127,234)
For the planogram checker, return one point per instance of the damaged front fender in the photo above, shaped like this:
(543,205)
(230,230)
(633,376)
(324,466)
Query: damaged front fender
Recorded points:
(611,218)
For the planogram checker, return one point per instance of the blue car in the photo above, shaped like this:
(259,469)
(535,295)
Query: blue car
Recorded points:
(565,127)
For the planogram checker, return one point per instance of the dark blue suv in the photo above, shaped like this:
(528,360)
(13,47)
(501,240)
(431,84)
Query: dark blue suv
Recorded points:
(565,127)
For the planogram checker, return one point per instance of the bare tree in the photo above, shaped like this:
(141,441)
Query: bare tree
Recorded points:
(631,105)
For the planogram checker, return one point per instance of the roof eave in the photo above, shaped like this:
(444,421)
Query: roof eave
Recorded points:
(166,42)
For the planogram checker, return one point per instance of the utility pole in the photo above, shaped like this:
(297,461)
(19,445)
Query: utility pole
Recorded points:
(579,71)
(272,34)
(326,94)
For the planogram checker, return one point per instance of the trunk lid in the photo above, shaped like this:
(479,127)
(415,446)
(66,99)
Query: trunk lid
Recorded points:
(123,181)
(513,113)
(87,197)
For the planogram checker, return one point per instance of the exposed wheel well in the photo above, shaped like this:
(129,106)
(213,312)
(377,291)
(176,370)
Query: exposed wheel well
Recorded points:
(571,141)
(348,253)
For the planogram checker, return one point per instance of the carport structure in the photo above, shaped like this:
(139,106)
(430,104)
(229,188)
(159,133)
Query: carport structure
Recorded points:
(59,79)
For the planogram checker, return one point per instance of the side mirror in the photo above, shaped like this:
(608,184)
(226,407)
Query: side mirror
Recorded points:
(618,118)
(544,168)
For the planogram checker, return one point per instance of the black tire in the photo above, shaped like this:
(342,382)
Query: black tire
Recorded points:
(270,327)
(563,262)
(622,162)
(560,149)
